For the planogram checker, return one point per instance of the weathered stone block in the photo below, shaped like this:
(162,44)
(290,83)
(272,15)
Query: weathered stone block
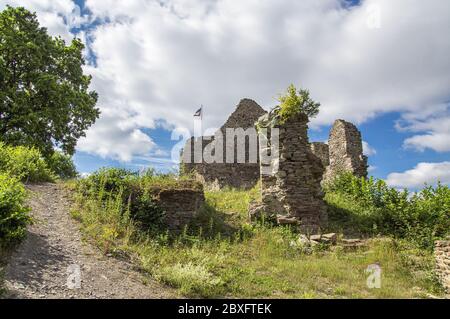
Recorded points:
(179,205)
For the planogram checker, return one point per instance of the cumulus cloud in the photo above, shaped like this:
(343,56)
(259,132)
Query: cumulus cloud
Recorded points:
(159,60)
(368,150)
(434,123)
(164,60)
(429,173)
(110,138)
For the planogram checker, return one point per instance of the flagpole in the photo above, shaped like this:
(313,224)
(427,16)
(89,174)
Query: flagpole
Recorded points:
(198,139)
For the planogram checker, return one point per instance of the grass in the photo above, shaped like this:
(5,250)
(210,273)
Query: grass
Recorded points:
(221,255)
(3,254)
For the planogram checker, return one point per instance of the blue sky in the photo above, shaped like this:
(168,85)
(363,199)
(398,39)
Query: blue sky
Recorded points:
(378,63)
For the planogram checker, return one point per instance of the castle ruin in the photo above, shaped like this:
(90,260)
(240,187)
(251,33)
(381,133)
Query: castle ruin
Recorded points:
(241,172)
(290,177)
(344,151)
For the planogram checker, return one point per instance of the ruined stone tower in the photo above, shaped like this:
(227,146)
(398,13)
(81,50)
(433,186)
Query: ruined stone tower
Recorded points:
(345,151)
(292,190)
(239,173)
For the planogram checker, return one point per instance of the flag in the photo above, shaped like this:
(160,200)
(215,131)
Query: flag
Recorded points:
(199,112)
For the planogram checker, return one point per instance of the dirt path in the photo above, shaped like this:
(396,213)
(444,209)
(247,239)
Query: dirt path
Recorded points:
(48,262)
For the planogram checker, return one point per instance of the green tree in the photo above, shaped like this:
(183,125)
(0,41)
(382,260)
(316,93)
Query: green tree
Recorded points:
(294,102)
(44,95)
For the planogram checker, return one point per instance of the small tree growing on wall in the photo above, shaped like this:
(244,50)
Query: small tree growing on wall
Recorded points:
(297,101)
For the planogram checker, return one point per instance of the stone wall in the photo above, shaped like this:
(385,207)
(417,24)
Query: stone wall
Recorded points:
(322,151)
(442,254)
(345,151)
(293,192)
(221,174)
(179,205)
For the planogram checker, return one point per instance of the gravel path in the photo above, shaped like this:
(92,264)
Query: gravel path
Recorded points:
(48,262)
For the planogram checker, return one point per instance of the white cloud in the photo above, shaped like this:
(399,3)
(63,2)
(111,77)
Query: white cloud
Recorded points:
(371,168)
(110,138)
(434,123)
(368,150)
(429,173)
(85,175)
(162,59)
(57,16)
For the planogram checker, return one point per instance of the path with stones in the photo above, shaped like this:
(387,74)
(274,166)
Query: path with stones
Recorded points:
(53,252)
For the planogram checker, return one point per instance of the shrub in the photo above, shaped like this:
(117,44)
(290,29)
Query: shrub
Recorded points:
(293,103)
(143,209)
(24,163)
(62,165)
(107,181)
(370,206)
(133,190)
(13,212)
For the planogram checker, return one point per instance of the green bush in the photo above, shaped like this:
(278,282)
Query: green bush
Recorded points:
(369,206)
(133,190)
(13,212)
(62,165)
(294,102)
(107,181)
(143,209)
(24,163)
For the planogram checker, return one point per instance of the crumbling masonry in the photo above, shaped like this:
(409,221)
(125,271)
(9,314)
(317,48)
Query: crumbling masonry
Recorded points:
(344,152)
(221,174)
(290,183)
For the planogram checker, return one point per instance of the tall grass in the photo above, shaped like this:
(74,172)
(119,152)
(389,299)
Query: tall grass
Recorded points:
(221,255)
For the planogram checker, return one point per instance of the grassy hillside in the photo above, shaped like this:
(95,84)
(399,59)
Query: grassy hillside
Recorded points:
(221,255)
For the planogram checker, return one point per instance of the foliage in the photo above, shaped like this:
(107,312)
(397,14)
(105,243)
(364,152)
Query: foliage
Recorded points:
(135,191)
(221,255)
(370,207)
(62,165)
(13,212)
(107,181)
(25,164)
(44,95)
(144,210)
(295,102)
